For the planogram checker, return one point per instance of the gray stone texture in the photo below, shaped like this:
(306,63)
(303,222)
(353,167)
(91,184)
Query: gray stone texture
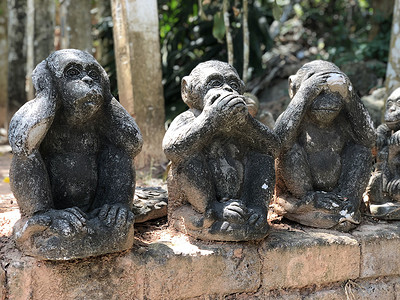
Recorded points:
(384,186)
(222,173)
(294,259)
(380,249)
(291,263)
(72,171)
(149,203)
(324,164)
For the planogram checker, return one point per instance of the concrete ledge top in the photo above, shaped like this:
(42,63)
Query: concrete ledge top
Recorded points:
(171,265)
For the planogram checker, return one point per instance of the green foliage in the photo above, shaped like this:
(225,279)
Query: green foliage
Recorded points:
(219,27)
(344,29)
(188,39)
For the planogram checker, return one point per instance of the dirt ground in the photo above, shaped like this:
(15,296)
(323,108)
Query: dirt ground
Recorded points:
(9,212)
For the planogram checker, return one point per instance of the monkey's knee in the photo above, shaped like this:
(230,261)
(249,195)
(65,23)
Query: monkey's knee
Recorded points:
(295,171)
(30,183)
(192,179)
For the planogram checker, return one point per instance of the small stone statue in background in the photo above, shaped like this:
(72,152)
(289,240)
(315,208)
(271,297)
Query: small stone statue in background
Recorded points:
(253,106)
(72,172)
(384,187)
(325,161)
(222,174)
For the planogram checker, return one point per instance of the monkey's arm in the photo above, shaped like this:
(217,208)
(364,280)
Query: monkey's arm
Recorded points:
(262,138)
(30,183)
(30,124)
(360,121)
(29,179)
(186,135)
(288,123)
(383,132)
(121,130)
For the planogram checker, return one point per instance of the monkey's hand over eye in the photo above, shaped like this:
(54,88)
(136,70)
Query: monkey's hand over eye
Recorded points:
(313,86)
(225,108)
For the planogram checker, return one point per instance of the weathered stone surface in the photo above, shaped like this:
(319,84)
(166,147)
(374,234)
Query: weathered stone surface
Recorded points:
(222,172)
(3,290)
(384,186)
(72,171)
(149,203)
(298,259)
(174,269)
(203,270)
(324,164)
(375,104)
(380,249)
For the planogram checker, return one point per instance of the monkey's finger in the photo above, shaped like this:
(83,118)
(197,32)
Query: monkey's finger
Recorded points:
(260,223)
(253,219)
(231,101)
(225,100)
(210,99)
(121,217)
(77,213)
(112,214)
(130,218)
(104,211)
(74,221)
(236,209)
(226,226)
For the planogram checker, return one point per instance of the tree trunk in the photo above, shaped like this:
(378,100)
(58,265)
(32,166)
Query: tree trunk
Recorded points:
(393,67)
(104,11)
(40,35)
(246,41)
(3,64)
(229,41)
(76,25)
(138,60)
(16,55)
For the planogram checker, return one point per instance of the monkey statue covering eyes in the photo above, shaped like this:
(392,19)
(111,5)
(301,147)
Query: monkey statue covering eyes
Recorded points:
(384,186)
(222,174)
(325,160)
(72,171)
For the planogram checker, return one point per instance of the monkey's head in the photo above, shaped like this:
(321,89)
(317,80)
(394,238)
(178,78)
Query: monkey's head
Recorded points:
(78,82)
(328,104)
(392,114)
(209,77)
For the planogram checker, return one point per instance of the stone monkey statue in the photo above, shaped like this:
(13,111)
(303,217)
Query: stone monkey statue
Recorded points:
(72,171)
(222,174)
(325,160)
(384,186)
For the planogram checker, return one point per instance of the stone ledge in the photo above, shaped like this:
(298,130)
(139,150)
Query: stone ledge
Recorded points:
(176,267)
(301,258)
(380,249)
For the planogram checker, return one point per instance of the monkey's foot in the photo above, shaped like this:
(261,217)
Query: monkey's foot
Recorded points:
(329,215)
(49,237)
(386,211)
(187,220)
